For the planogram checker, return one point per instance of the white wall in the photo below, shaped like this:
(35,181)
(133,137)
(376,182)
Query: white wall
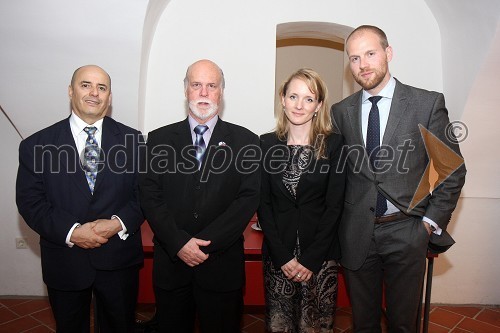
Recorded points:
(20,271)
(43,42)
(469,272)
(243,43)
(470,31)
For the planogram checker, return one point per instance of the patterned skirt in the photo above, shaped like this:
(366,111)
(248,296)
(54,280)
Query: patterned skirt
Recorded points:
(300,307)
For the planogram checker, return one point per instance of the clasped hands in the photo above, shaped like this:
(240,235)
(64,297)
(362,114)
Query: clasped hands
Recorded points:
(294,271)
(96,233)
(191,253)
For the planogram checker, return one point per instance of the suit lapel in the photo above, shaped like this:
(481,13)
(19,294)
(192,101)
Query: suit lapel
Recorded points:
(354,114)
(182,139)
(277,177)
(109,138)
(72,164)
(398,108)
(221,139)
(220,136)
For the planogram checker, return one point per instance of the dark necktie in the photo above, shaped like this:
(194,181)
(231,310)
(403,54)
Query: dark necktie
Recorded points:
(200,143)
(90,157)
(373,146)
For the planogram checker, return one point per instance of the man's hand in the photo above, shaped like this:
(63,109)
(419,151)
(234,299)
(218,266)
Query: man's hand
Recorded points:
(85,237)
(427,227)
(107,228)
(191,254)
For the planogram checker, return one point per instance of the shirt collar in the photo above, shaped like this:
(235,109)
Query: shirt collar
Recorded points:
(77,124)
(210,123)
(386,92)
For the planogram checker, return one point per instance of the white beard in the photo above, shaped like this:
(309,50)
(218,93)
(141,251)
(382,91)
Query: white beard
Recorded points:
(203,113)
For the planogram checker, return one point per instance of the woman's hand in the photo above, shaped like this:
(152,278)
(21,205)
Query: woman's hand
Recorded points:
(289,268)
(301,274)
(293,270)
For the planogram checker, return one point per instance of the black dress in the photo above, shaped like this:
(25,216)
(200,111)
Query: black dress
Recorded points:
(299,307)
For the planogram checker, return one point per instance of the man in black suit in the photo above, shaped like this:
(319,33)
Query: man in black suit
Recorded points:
(386,226)
(199,193)
(77,188)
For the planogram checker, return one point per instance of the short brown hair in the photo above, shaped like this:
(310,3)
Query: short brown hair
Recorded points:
(376,30)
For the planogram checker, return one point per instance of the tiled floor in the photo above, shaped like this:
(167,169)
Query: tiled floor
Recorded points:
(33,315)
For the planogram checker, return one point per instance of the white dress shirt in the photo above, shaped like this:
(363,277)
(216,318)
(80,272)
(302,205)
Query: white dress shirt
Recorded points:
(77,126)
(208,133)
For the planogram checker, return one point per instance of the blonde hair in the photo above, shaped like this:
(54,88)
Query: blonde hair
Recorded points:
(321,125)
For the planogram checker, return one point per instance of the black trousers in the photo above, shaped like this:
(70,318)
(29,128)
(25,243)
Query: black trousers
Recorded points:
(116,298)
(395,260)
(217,312)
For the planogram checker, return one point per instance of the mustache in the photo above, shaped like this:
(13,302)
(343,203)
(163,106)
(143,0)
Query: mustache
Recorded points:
(201,100)
(96,100)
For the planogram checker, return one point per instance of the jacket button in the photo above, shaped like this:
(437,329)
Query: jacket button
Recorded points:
(197,187)
(195,215)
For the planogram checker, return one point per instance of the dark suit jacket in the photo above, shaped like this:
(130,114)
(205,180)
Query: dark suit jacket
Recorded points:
(410,107)
(52,194)
(213,204)
(315,212)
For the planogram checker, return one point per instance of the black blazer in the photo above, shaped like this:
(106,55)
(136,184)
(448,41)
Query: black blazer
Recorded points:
(314,214)
(215,203)
(52,194)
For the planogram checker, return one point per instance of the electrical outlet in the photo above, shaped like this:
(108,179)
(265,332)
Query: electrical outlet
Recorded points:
(21,243)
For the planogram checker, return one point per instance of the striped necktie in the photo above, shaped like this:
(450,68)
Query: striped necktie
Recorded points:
(91,157)
(200,143)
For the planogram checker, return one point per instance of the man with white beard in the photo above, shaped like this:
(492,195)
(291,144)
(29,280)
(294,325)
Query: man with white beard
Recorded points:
(199,192)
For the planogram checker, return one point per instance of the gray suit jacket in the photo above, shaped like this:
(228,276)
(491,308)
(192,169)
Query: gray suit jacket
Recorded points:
(402,172)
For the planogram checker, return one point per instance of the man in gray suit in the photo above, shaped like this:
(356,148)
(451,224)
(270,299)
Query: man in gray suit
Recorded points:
(386,227)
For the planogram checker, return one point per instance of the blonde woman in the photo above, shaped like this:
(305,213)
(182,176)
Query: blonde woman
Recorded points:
(301,202)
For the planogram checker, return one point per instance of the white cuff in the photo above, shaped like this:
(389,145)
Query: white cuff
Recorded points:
(122,233)
(68,237)
(437,230)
